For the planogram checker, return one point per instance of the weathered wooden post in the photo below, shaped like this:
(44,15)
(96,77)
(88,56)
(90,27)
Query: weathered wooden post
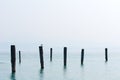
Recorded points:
(65,56)
(19,56)
(82,56)
(13,58)
(106,54)
(41,56)
(50,54)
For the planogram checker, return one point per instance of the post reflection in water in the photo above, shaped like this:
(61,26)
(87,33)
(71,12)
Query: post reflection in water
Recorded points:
(41,73)
(65,72)
(65,69)
(106,71)
(12,77)
(82,72)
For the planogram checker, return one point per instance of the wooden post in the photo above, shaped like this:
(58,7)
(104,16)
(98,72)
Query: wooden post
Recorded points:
(50,54)
(19,56)
(82,56)
(106,54)
(13,58)
(65,56)
(41,56)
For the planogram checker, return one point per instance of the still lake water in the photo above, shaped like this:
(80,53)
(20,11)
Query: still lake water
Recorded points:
(94,67)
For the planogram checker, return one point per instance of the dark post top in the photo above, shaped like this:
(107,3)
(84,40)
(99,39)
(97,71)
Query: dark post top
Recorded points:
(13,53)
(13,58)
(106,54)
(65,56)
(41,57)
(82,56)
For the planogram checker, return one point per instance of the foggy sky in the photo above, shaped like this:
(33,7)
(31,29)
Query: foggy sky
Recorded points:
(60,22)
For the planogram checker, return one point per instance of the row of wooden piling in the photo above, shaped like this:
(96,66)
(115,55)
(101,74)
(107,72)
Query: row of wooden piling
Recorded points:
(13,56)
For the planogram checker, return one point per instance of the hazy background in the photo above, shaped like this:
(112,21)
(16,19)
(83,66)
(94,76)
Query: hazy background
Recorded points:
(58,23)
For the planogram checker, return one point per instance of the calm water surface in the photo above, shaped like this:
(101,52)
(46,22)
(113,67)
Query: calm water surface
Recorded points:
(94,67)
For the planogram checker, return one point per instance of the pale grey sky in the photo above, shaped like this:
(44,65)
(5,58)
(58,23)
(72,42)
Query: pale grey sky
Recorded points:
(60,22)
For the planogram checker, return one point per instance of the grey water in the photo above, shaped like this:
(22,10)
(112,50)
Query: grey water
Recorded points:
(94,68)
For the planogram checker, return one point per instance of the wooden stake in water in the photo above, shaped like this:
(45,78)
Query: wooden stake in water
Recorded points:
(82,56)
(13,58)
(106,54)
(41,56)
(50,54)
(19,56)
(65,56)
